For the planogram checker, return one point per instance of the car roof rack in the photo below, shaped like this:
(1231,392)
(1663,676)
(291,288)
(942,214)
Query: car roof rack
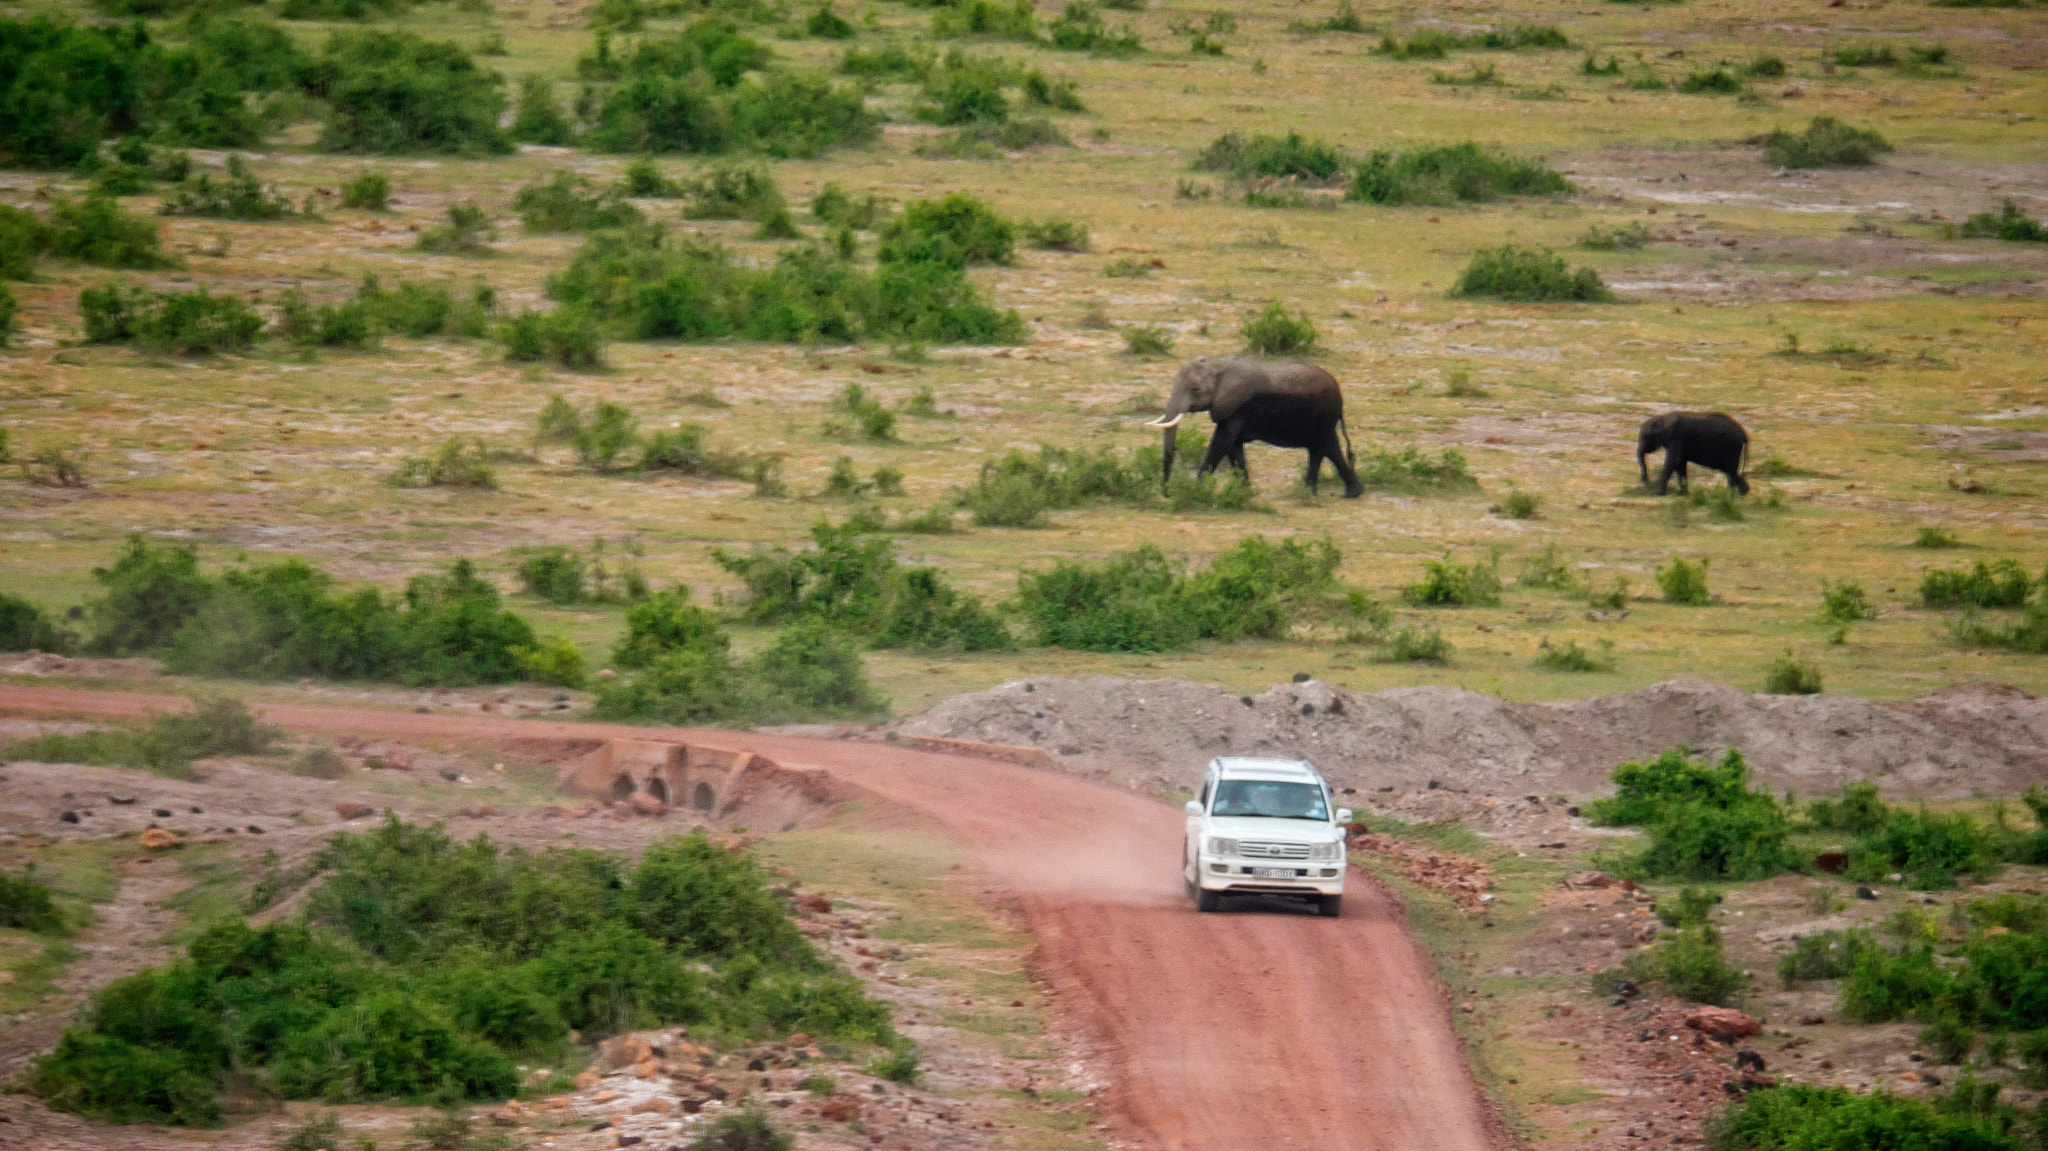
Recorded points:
(1241,766)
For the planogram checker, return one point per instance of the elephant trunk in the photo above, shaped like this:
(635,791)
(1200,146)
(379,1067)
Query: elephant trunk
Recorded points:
(1176,411)
(1642,454)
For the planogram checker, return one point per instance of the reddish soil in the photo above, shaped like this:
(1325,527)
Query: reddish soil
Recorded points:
(1260,1027)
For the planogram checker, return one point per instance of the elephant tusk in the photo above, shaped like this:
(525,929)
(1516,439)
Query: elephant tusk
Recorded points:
(1163,422)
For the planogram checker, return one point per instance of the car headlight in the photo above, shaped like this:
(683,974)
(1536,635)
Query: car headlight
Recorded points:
(1222,846)
(1332,850)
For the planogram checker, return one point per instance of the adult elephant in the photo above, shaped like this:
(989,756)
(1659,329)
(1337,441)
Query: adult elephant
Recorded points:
(1709,439)
(1288,405)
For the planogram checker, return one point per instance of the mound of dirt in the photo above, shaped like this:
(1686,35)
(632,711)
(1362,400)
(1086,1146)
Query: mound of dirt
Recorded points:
(1967,738)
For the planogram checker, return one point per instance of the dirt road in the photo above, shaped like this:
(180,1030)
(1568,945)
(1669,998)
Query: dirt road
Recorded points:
(1260,1027)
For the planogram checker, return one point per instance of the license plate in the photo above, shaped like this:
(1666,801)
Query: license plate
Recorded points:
(1273,873)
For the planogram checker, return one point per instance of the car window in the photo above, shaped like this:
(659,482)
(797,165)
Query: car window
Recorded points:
(1270,798)
(1205,791)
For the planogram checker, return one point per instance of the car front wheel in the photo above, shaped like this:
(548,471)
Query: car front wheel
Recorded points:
(1330,906)
(1207,900)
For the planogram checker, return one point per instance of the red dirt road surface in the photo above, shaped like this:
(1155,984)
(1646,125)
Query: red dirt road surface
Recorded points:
(1253,1028)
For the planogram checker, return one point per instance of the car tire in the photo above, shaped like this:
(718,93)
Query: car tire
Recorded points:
(1207,900)
(1330,906)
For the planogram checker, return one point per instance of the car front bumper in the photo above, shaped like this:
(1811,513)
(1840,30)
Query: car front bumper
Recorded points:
(1311,877)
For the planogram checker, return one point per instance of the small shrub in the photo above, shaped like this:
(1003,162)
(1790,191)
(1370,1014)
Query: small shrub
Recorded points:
(1717,80)
(1057,235)
(555,574)
(96,230)
(2028,634)
(1691,965)
(1415,644)
(1413,471)
(321,762)
(1630,237)
(370,191)
(1764,66)
(455,464)
(557,662)
(1447,583)
(1128,268)
(1935,538)
(1798,1115)
(55,466)
(539,118)
(899,1066)
(1822,955)
(990,18)
(1528,275)
(1276,157)
(1856,808)
(194,322)
(220,725)
(1693,906)
(827,24)
(1547,567)
(1826,143)
(1572,657)
(1519,505)
(955,231)
(2008,223)
(1272,332)
(1997,584)
(1148,340)
(24,627)
(566,202)
(238,196)
(832,205)
(1929,849)
(393,92)
(1684,583)
(468,232)
(1789,674)
(1449,174)
(1344,19)
(734,192)
(1060,94)
(566,336)
(26,905)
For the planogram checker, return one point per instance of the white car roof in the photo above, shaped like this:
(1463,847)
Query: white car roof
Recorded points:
(1247,767)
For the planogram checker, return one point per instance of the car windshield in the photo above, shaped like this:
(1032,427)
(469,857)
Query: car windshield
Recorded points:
(1270,798)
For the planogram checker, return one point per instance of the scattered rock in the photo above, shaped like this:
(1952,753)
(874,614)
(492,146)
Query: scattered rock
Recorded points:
(1812,1019)
(585,1080)
(645,804)
(121,800)
(162,813)
(1586,879)
(604,1097)
(354,810)
(1863,892)
(1749,1060)
(1832,862)
(654,1106)
(840,1109)
(156,838)
(623,1051)
(1723,1023)
(69,817)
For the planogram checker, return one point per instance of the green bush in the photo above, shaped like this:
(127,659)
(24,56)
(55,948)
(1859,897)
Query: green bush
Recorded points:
(1415,645)
(26,905)
(2000,583)
(539,118)
(566,202)
(1694,905)
(1141,601)
(1929,849)
(734,192)
(1717,80)
(240,196)
(807,672)
(1826,143)
(1447,583)
(1412,471)
(1060,94)
(832,205)
(410,308)
(827,24)
(899,1066)
(1643,790)
(556,661)
(1057,235)
(1080,28)
(1519,505)
(467,232)
(392,92)
(693,93)
(1684,583)
(1791,674)
(343,325)
(2008,223)
(1764,66)
(23,239)
(1630,237)
(1528,275)
(434,964)
(955,231)
(1691,965)
(554,574)
(686,450)
(745,1130)
(369,191)
(1704,823)
(96,231)
(1451,173)
(1272,332)
(1571,657)
(2029,634)
(1801,1116)
(1823,955)
(151,591)
(167,746)
(1844,601)
(567,336)
(990,18)
(194,322)
(1148,340)
(1856,808)
(1292,155)
(1345,19)
(23,627)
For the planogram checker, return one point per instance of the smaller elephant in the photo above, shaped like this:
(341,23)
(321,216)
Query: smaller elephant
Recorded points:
(1709,439)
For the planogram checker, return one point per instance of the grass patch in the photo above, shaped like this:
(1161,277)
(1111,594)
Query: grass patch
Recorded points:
(219,725)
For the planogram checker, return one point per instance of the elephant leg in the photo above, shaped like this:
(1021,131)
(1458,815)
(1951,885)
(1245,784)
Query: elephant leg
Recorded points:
(1315,469)
(1342,462)
(1736,481)
(1237,461)
(1674,465)
(1221,447)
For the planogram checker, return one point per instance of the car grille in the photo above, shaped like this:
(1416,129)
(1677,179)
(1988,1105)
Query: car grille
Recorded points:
(1253,849)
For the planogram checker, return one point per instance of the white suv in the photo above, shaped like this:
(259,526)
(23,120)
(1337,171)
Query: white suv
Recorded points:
(1265,827)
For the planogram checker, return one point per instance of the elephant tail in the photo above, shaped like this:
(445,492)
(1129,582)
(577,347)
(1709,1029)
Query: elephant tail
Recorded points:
(1742,462)
(1349,456)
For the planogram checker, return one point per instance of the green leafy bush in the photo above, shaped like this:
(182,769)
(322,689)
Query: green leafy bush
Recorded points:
(832,205)
(693,93)
(1447,583)
(1844,601)
(1148,340)
(1344,19)
(151,591)
(194,322)
(1822,955)
(369,191)
(1684,583)
(1080,28)
(955,231)
(2008,223)
(1453,173)
(1791,674)
(1798,1115)
(1519,505)
(1999,583)
(555,574)
(1569,656)
(239,196)
(1704,823)
(744,1130)
(27,905)
(1415,645)
(1056,235)
(1826,143)
(1259,154)
(1272,332)
(566,202)
(1690,964)
(392,92)
(221,725)
(989,18)
(2028,634)
(1630,237)
(410,308)
(1715,80)
(24,627)
(346,324)
(1528,275)
(734,192)
(567,336)
(467,233)
(1856,808)
(1412,471)
(96,231)
(538,118)
(434,964)
(1929,849)
(1060,94)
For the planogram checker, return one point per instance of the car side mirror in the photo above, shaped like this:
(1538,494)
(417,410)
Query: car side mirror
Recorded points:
(1343,815)
(1194,807)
